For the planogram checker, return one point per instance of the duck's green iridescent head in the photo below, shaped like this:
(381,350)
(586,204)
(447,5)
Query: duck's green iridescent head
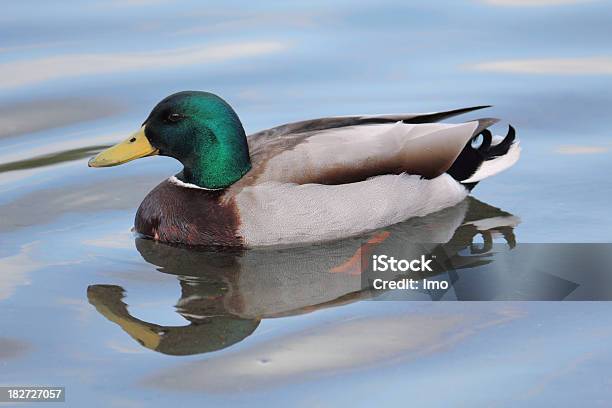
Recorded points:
(199,129)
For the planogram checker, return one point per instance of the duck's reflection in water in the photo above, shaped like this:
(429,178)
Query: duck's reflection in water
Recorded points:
(224,295)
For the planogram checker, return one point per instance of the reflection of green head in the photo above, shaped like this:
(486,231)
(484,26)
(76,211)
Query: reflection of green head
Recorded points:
(215,333)
(205,335)
(203,132)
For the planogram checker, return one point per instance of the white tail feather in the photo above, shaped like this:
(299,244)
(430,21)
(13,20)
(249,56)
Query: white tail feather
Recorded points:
(489,168)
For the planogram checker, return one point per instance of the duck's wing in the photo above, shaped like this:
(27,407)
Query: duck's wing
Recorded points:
(343,150)
(328,123)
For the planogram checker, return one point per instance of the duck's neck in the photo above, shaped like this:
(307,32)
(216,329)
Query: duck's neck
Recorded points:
(221,161)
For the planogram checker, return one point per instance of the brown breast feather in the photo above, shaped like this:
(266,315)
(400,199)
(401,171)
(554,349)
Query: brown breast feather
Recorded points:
(174,214)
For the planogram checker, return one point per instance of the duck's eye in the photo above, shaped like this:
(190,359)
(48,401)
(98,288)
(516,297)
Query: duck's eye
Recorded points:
(175,117)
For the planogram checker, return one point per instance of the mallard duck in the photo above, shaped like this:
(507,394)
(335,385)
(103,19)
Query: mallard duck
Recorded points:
(302,182)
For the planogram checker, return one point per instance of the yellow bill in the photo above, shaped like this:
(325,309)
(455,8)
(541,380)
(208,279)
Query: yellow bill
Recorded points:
(134,147)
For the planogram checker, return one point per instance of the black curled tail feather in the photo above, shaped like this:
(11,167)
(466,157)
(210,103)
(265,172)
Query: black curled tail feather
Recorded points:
(502,147)
(471,157)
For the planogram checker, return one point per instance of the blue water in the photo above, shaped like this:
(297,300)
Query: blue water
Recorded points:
(76,75)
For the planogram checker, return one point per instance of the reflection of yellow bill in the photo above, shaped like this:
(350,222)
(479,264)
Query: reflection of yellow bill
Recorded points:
(143,332)
(134,147)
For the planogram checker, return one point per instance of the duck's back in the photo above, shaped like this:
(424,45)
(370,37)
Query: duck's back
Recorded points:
(340,150)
